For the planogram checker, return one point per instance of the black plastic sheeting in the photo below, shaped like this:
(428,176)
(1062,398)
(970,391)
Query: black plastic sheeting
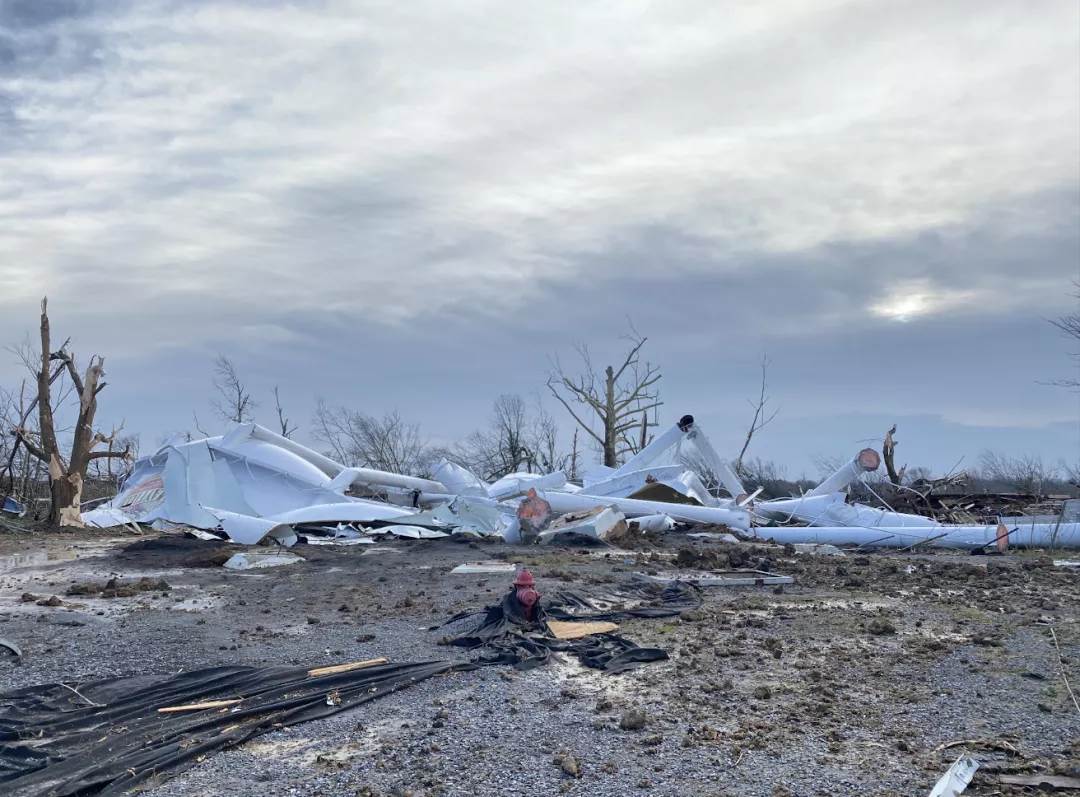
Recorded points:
(54,741)
(503,636)
(106,737)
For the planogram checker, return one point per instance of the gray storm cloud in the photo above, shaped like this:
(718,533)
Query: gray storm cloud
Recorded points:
(347,196)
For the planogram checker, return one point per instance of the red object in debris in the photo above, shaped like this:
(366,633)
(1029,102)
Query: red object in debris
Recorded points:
(528,598)
(533,514)
(526,593)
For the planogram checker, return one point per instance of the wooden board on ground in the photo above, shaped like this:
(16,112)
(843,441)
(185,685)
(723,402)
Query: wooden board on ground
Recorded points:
(200,706)
(334,669)
(562,629)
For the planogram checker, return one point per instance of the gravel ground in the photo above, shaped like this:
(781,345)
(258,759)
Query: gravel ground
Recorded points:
(844,683)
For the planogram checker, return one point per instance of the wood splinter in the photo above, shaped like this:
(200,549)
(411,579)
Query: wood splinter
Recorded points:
(200,706)
(338,668)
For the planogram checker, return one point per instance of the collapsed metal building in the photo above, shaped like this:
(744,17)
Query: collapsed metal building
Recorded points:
(252,485)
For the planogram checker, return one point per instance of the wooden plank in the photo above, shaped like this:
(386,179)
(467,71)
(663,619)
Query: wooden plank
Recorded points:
(337,668)
(1041,781)
(571,630)
(200,706)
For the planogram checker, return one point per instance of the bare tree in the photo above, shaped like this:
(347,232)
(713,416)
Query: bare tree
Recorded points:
(572,459)
(516,438)
(618,399)
(359,440)
(66,474)
(287,428)
(233,401)
(1028,473)
(546,456)
(505,446)
(762,414)
(1069,324)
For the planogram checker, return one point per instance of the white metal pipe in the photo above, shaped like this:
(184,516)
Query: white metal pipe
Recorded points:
(658,446)
(320,461)
(728,478)
(726,515)
(512,487)
(866,461)
(634,480)
(381,478)
(831,510)
(1037,535)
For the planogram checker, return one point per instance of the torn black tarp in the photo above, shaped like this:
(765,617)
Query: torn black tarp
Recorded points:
(502,636)
(105,737)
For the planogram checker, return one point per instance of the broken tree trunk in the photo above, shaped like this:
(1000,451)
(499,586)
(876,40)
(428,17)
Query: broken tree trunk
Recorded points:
(66,477)
(888,453)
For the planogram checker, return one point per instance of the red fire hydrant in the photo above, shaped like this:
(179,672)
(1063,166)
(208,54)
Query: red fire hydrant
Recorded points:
(526,593)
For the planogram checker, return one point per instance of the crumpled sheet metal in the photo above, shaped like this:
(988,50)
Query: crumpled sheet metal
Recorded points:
(248,530)
(250,483)
(730,515)
(253,484)
(831,510)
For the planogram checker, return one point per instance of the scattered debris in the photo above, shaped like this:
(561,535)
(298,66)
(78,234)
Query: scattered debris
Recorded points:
(731,578)
(633,719)
(252,485)
(336,669)
(484,568)
(6,644)
(114,588)
(601,523)
(653,523)
(817,549)
(1061,668)
(533,515)
(254,561)
(13,507)
(568,764)
(127,739)
(1041,781)
(201,706)
(986,744)
(713,535)
(956,778)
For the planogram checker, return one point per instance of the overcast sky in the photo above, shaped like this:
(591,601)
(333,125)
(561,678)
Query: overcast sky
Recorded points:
(414,205)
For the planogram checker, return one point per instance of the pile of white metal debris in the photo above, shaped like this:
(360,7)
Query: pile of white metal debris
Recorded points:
(253,485)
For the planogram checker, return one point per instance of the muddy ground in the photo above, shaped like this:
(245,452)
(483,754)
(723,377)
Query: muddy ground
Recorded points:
(850,681)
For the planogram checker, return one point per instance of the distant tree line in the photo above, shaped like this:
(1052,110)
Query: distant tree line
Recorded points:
(54,457)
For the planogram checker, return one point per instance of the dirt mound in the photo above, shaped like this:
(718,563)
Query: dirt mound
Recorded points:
(115,588)
(177,551)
